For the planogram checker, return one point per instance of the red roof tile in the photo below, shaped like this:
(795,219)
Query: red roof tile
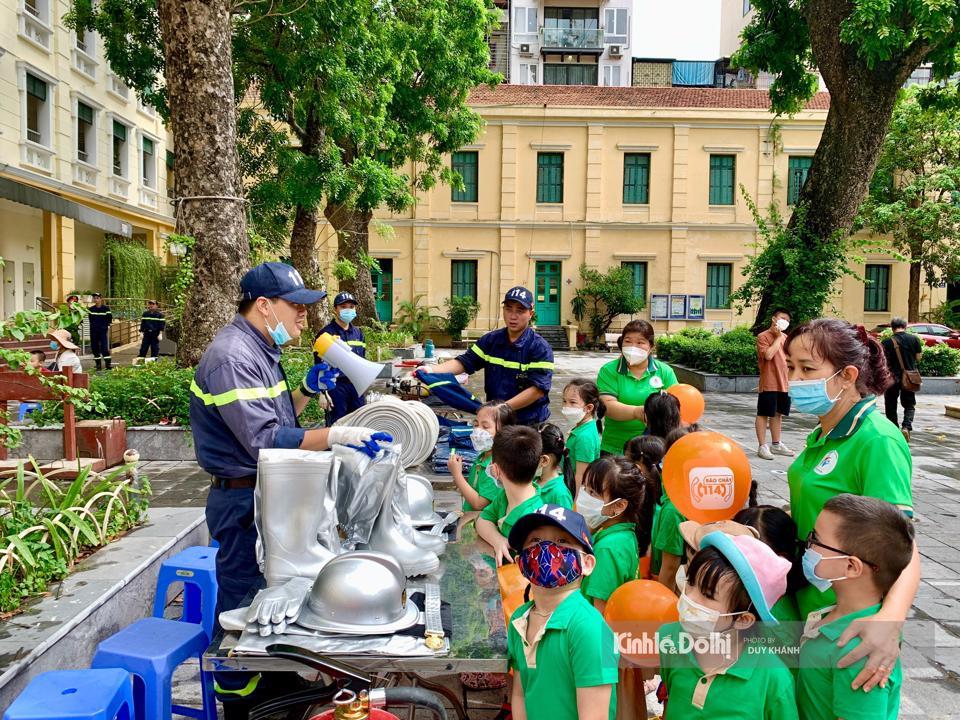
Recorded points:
(631,97)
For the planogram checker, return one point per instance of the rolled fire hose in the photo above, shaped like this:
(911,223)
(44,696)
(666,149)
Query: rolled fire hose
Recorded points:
(411,423)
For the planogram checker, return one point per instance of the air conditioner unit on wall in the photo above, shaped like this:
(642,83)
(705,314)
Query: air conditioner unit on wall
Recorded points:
(525,49)
(615,50)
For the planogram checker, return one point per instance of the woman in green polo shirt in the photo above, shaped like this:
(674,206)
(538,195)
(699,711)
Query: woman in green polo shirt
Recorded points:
(836,373)
(625,384)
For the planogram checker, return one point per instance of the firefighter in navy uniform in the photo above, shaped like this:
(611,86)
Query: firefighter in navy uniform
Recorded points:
(100,319)
(240,403)
(518,362)
(152,323)
(344,397)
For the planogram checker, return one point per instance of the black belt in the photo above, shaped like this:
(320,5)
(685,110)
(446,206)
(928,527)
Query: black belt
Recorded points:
(248,481)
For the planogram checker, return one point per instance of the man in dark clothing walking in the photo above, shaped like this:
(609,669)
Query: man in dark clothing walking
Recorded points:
(152,323)
(910,349)
(100,319)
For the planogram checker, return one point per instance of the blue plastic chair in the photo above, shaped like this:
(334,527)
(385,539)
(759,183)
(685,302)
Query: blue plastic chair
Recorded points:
(105,694)
(152,649)
(25,408)
(196,568)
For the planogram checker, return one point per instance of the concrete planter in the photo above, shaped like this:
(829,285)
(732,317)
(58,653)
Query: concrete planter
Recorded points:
(153,442)
(709,382)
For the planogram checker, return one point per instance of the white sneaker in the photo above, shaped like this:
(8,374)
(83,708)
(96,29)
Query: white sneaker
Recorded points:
(781,449)
(765,453)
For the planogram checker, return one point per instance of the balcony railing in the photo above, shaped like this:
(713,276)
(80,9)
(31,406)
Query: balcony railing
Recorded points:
(572,38)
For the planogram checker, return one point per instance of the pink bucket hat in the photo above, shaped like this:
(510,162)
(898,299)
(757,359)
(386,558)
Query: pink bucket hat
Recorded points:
(762,571)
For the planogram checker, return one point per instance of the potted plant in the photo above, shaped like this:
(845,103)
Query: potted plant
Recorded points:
(461,311)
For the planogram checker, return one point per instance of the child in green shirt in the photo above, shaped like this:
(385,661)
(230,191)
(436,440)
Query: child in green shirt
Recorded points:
(554,472)
(867,543)
(481,489)
(646,452)
(583,407)
(668,552)
(562,652)
(516,456)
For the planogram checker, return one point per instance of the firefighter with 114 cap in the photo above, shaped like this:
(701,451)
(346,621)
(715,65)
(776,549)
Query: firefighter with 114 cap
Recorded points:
(100,319)
(344,398)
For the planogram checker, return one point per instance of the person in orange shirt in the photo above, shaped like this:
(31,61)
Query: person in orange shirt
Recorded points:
(773,402)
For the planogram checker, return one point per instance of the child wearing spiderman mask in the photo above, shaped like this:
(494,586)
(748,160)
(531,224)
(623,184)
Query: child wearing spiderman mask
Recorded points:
(561,649)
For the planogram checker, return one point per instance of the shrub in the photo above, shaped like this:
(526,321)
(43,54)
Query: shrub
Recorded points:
(603,297)
(461,311)
(940,361)
(381,339)
(733,353)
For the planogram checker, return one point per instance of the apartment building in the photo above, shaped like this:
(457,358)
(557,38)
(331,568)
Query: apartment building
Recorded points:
(644,178)
(80,158)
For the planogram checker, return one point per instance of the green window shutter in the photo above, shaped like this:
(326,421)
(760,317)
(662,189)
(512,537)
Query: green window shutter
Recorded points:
(148,146)
(876,291)
(798,167)
(36,87)
(120,131)
(85,113)
(638,271)
(466,164)
(170,157)
(722,177)
(636,178)
(719,280)
(463,278)
(549,177)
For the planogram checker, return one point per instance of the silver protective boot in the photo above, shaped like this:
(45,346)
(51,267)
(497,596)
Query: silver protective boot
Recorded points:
(395,537)
(401,510)
(294,507)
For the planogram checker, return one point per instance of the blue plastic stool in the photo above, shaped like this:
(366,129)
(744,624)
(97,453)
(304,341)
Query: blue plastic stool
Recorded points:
(26,408)
(152,649)
(214,543)
(105,694)
(196,568)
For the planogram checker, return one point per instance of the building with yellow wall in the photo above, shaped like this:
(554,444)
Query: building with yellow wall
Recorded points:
(647,177)
(80,157)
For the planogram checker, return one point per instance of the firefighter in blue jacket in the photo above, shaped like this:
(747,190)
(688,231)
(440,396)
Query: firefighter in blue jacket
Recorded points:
(518,362)
(152,323)
(344,398)
(240,403)
(100,319)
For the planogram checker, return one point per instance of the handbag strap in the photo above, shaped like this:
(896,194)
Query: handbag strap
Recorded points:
(896,347)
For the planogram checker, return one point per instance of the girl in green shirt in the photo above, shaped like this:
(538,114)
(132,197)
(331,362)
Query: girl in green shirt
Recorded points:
(617,503)
(481,489)
(554,475)
(582,406)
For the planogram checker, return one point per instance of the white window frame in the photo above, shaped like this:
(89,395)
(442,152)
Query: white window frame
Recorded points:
(36,28)
(85,172)
(145,109)
(611,26)
(522,29)
(529,73)
(608,75)
(117,87)
(746,8)
(149,196)
(40,155)
(85,61)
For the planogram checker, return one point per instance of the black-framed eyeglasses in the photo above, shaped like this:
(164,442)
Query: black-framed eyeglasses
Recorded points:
(813,540)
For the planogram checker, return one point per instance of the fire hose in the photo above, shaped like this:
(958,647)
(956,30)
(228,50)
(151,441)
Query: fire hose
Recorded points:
(413,425)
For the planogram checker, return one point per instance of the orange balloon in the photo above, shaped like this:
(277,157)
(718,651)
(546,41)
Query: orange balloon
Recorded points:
(635,611)
(706,475)
(691,402)
(512,587)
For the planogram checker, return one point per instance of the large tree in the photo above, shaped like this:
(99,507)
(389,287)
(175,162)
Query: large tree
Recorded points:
(915,193)
(177,55)
(864,50)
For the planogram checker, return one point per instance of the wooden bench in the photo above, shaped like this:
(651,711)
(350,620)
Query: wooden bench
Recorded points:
(29,344)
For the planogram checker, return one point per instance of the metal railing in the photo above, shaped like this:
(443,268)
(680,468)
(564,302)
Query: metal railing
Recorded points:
(126,319)
(572,38)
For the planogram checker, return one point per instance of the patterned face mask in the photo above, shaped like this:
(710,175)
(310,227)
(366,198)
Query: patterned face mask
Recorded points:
(549,565)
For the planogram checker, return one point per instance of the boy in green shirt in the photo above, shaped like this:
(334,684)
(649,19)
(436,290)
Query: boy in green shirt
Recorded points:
(866,543)
(516,456)
(561,650)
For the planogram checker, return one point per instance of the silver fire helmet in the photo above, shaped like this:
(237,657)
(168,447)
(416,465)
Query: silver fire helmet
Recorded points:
(359,593)
(420,499)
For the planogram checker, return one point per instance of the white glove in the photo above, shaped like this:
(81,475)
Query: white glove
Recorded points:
(349,435)
(273,608)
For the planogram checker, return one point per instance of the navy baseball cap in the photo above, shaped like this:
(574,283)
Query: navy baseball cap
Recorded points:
(520,295)
(278,280)
(344,297)
(556,515)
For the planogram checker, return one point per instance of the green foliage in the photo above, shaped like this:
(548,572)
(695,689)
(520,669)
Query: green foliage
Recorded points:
(180,283)
(381,339)
(603,296)
(133,270)
(461,311)
(46,525)
(415,319)
(296,363)
(946,313)
(344,269)
(733,353)
(940,361)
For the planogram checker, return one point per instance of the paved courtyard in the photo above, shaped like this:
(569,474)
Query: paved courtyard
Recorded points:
(931,653)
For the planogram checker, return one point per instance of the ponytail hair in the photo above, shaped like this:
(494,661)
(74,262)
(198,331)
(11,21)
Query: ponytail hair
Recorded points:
(648,450)
(842,344)
(617,477)
(554,445)
(778,530)
(588,392)
(662,411)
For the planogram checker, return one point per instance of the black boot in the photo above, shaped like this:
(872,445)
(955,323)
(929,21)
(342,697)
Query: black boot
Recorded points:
(107,360)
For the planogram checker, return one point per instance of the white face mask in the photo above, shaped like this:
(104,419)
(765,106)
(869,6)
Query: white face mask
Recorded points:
(783,324)
(681,579)
(592,509)
(573,414)
(634,355)
(481,439)
(698,619)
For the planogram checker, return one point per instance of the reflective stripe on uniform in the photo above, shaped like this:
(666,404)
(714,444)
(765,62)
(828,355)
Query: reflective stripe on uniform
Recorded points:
(152,319)
(356,343)
(230,396)
(493,360)
(239,692)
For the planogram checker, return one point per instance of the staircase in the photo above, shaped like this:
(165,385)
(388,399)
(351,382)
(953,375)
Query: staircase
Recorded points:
(555,336)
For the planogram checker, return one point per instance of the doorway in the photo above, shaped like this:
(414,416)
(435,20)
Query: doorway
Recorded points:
(383,289)
(547,301)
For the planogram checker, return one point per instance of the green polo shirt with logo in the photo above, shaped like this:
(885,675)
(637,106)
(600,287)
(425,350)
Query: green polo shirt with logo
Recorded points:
(615,548)
(665,535)
(823,689)
(583,443)
(556,492)
(496,511)
(575,649)
(865,454)
(615,380)
(480,480)
(758,686)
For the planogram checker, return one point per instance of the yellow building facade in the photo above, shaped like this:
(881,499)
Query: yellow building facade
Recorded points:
(648,178)
(80,158)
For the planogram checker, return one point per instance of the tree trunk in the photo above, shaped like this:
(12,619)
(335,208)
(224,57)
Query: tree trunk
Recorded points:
(861,105)
(352,228)
(913,297)
(197,36)
(303,254)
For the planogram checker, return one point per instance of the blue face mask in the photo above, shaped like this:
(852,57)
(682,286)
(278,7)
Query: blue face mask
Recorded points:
(810,396)
(279,333)
(54,345)
(811,558)
(348,316)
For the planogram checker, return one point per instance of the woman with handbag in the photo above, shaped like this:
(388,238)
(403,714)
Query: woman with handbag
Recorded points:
(903,352)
